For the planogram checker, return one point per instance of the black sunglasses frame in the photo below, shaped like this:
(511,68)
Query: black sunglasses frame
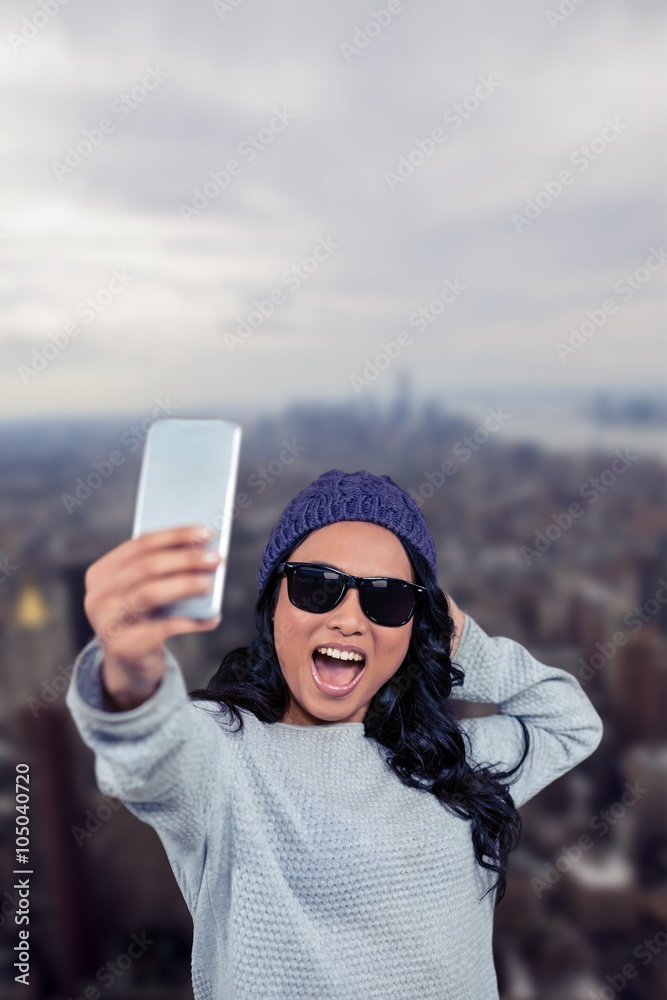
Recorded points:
(288,569)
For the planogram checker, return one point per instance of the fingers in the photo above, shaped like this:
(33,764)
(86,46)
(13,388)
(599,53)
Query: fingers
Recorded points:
(126,592)
(144,546)
(148,575)
(144,638)
(127,585)
(190,566)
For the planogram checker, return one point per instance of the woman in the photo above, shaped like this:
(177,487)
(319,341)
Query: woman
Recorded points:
(335,832)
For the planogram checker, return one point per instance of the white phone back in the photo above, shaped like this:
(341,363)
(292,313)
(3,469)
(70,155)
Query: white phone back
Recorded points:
(188,476)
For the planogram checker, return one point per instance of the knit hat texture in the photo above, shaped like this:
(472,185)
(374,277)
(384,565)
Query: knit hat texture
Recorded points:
(347,496)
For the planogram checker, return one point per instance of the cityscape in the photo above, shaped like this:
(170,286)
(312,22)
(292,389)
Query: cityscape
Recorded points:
(562,550)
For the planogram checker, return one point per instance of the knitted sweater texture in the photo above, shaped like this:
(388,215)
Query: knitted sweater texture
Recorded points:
(309,869)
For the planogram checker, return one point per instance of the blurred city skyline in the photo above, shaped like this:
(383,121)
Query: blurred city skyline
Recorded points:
(582,591)
(554,421)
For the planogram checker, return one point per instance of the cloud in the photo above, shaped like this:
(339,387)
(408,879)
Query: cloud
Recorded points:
(324,173)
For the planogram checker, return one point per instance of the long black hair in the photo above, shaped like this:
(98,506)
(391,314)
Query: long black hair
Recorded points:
(410,716)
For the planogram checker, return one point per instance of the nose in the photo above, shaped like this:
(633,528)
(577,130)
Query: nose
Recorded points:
(348,615)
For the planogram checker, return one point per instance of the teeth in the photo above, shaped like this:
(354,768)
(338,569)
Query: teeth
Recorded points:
(340,654)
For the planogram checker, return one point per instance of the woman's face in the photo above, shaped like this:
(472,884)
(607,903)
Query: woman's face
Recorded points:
(361,549)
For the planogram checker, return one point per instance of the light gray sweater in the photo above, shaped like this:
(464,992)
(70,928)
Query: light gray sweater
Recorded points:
(309,869)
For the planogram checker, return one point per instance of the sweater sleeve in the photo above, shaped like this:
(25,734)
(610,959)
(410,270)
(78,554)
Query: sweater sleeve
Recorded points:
(167,760)
(563,725)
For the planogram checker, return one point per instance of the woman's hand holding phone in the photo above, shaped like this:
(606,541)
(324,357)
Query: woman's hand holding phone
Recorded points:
(123,589)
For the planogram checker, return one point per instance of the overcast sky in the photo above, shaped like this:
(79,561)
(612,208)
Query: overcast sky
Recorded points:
(154,96)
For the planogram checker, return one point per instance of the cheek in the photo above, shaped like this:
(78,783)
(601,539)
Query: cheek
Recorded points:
(400,642)
(284,632)
(291,630)
(393,652)
(402,646)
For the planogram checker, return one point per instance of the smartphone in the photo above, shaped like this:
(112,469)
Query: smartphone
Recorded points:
(188,476)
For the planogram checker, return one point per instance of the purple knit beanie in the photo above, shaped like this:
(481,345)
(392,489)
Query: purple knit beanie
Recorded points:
(347,496)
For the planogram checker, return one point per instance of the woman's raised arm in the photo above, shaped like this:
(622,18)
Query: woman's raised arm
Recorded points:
(157,751)
(563,725)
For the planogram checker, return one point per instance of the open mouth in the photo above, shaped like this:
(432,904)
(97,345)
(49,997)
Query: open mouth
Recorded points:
(334,675)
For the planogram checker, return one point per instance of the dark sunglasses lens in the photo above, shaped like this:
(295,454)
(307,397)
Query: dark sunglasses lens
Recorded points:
(387,602)
(315,590)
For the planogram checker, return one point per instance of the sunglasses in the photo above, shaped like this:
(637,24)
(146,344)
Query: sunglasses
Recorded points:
(318,589)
